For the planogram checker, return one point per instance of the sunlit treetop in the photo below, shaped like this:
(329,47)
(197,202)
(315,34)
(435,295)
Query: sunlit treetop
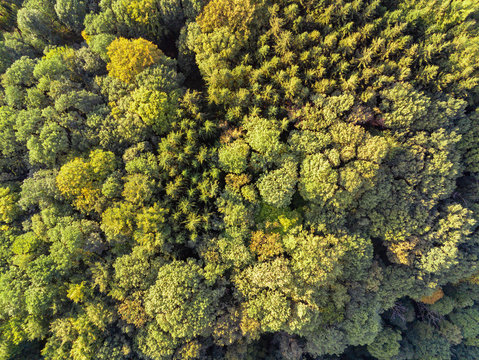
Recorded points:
(128,58)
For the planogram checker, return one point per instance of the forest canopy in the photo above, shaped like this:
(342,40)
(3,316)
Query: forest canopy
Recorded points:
(239,179)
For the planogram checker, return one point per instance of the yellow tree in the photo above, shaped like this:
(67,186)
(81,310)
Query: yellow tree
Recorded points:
(81,180)
(236,15)
(8,206)
(130,57)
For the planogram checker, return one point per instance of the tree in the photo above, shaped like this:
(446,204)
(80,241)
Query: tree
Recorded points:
(181,302)
(8,12)
(73,242)
(155,108)
(8,205)
(233,157)
(266,289)
(236,15)
(130,57)
(386,345)
(278,186)
(38,22)
(138,189)
(81,180)
(318,179)
(317,260)
(48,146)
(155,343)
(99,44)
(40,190)
(263,137)
(20,73)
(118,221)
(146,107)
(153,230)
(10,148)
(71,13)
(80,336)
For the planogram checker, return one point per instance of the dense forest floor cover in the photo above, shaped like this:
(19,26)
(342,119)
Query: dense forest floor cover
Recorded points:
(239,179)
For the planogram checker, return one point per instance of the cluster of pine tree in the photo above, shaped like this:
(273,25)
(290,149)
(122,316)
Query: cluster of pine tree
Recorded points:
(239,179)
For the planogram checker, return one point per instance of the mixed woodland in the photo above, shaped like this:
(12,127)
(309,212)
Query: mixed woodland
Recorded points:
(239,179)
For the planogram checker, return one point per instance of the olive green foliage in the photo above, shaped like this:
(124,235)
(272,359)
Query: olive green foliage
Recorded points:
(181,302)
(239,179)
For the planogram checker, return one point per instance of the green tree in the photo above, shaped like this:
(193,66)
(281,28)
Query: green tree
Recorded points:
(386,345)
(71,13)
(233,157)
(181,302)
(278,186)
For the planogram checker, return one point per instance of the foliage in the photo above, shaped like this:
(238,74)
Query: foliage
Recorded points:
(180,302)
(82,180)
(130,57)
(239,179)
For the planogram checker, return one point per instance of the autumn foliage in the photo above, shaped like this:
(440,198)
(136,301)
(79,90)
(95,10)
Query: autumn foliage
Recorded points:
(239,179)
(130,57)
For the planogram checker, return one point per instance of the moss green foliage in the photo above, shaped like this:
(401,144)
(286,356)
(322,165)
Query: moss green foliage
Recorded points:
(239,179)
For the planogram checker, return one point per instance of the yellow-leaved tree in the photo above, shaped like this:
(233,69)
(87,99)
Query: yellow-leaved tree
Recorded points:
(236,15)
(81,180)
(130,57)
